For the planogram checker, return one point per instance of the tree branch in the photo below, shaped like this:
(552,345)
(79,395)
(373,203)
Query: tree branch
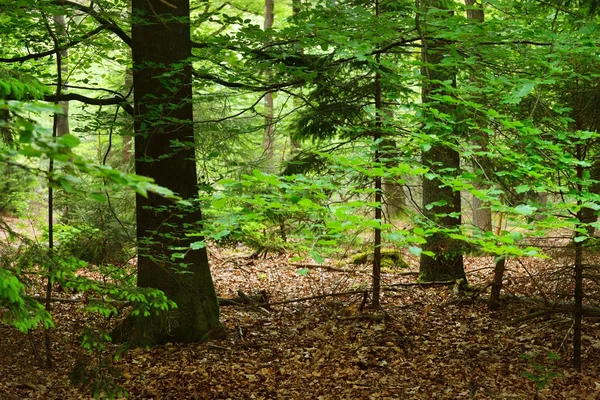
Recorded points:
(89,10)
(111,101)
(56,50)
(240,85)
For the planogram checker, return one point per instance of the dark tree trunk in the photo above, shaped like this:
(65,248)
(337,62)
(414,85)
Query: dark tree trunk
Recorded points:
(378,184)
(164,150)
(578,292)
(448,261)
(499,268)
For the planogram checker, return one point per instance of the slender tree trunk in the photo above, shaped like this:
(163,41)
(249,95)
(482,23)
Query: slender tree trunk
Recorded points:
(497,283)
(393,193)
(126,148)
(589,215)
(163,122)
(295,144)
(378,183)
(578,294)
(60,124)
(448,261)
(482,215)
(269,133)
(62,121)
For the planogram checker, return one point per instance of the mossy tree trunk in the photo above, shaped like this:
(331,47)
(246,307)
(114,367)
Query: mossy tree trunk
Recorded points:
(164,150)
(441,159)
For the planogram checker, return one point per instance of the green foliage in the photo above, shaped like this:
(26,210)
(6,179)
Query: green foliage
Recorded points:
(269,212)
(20,86)
(519,105)
(16,187)
(541,373)
(21,312)
(99,375)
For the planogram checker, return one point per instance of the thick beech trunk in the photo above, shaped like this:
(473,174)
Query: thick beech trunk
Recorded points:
(448,261)
(164,150)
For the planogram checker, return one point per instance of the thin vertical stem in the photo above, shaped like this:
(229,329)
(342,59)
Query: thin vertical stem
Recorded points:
(59,83)
(378,185)
(578,295)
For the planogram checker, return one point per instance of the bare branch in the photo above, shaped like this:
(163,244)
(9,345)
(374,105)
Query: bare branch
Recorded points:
(111,101)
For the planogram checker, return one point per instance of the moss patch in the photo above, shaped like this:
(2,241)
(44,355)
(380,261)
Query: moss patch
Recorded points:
(390,259)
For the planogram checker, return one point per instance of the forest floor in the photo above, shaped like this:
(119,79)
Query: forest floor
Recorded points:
(416,347)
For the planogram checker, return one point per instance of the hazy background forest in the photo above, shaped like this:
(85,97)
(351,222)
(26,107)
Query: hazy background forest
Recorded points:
(378,199)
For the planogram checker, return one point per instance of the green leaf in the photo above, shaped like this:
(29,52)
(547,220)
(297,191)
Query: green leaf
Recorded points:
(317,257)
(525,209)
(68,140)
(198,245)
(306,203)
(414,250)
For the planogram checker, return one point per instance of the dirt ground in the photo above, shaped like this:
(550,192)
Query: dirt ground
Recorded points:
(416,347)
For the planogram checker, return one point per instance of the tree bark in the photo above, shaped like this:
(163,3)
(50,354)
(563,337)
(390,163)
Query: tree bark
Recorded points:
(448,261)
(393,193)
(578,292)
(482,215)
(499,268)
(126,146)
(62,122)
(269,133)
(164,150)
(126,149)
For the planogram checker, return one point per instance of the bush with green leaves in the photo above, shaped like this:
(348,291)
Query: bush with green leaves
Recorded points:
(267,212)
(26,266)
(16,187)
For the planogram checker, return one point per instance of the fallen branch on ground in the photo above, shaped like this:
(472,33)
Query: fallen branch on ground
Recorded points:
(327,268)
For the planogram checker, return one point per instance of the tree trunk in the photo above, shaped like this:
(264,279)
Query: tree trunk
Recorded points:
(393,193)
(164,150)
(295,143)
(448,261)
(578,292)
(497,283)
(269,133)
(482,215)
(62,123)
(62,120)
(126,146)
(588,215)
(127,90)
